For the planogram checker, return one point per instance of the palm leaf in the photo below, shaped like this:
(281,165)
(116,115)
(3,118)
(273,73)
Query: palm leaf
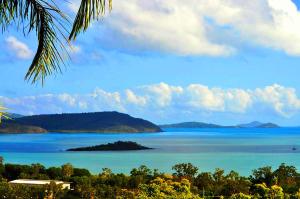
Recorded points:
(47,21)
(3,113)
(88,10)
(48,55)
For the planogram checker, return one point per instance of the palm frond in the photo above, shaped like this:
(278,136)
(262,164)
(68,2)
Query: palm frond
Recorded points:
(3,113)
(8,11)
(45,18)
(48,22)
(48,55)
(88,10)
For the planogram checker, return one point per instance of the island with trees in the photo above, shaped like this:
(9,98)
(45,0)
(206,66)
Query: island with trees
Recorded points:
(111,122)
(116,146)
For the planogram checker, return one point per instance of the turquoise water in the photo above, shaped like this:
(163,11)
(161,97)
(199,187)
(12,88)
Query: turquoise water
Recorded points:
(231,149)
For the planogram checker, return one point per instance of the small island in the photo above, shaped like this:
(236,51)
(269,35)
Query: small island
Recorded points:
(116,146)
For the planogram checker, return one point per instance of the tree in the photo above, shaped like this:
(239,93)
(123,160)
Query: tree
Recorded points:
(287,178)
(277,192)
(185,170)
(67,170)
(263,175)
(205,183)
(54,190)
(164,189)
(83,187)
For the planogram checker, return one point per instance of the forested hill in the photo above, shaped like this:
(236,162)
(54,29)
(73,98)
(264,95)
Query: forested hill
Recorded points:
(88,122)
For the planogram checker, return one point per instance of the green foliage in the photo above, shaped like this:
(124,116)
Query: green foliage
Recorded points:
(276,192)
(3,114)
(166,189)
(89,9)
(67,170)
(144,183)
(286,177)
(263,175)
(46,21)
(186,170)
(81,172)
(240,196)
(297,194)
(22,191)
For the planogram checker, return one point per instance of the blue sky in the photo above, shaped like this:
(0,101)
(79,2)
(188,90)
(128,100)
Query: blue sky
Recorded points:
(224,61)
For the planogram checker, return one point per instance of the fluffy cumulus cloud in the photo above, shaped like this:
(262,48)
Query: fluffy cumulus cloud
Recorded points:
(20,49)
(200,27)
(216,99)
(164,100)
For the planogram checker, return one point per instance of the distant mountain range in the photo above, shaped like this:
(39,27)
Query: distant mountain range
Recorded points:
(257,124)
(208,125)
(100,122)
(78,122)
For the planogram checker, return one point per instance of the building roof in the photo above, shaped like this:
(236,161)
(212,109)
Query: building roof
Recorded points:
(37,182)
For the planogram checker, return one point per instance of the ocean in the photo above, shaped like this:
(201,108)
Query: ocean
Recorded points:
(236,149)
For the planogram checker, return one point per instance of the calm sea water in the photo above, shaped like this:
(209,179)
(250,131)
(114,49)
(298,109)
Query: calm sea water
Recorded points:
(231,149)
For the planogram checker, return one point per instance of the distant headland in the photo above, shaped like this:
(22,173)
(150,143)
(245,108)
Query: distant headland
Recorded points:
(254,124)
(116,146)
(109,122)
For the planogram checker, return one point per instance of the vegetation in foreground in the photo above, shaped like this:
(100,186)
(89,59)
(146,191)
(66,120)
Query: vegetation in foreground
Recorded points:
(143,183)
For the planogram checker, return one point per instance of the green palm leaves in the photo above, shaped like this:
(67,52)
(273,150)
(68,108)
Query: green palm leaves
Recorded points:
(88,10)
(48,22)
(3,113)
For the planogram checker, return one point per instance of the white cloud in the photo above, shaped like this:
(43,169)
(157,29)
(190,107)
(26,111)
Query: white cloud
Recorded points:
(75,49)
(202,97)
(200,27)
(168,26)
(269,23)
(282,100)
(162,93)
(159,100)
(134,99)
(69,99)
(103,100)
(20,49)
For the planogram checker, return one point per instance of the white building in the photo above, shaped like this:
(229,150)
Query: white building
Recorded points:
(65,185)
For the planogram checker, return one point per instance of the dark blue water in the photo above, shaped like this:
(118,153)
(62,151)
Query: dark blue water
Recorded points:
(239,149)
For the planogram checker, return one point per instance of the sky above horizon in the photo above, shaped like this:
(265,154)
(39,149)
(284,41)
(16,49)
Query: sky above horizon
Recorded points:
(220,61)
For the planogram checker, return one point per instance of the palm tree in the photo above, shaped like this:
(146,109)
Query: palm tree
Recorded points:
(50,25)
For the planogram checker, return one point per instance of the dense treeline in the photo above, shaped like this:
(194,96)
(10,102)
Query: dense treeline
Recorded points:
(143,183)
